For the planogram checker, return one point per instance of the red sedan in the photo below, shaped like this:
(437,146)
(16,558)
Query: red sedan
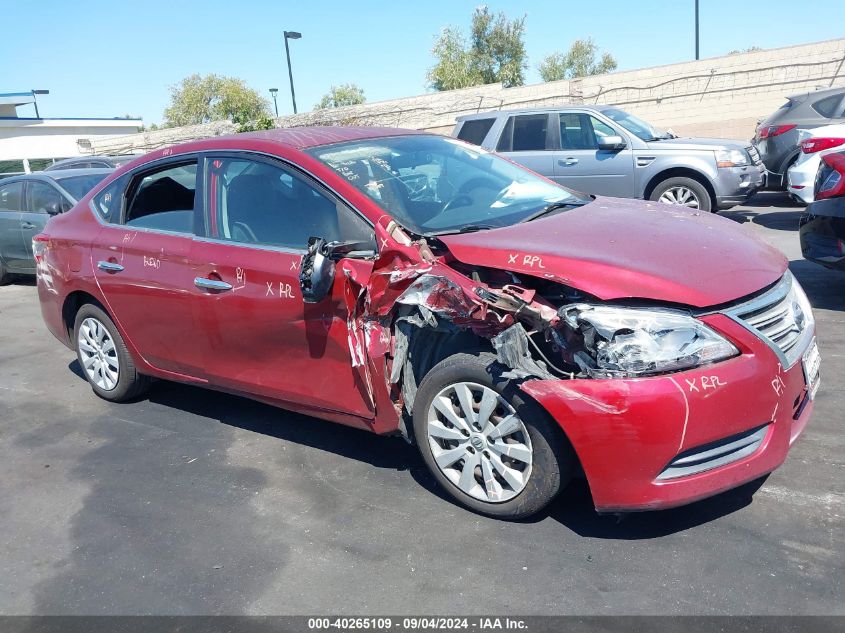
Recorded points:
(405,283)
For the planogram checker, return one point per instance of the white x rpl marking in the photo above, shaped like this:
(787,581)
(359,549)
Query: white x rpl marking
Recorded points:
(294,265)
(512,258)
(384,243)
(269,292)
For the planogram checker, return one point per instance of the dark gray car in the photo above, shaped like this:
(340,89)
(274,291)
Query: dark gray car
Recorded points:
(86,162)
(606,151)
(27,202)
(777,136)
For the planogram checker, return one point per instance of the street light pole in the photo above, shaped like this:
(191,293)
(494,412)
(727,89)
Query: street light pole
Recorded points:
(696,29)
(291,35)
(35,101)
(274,92)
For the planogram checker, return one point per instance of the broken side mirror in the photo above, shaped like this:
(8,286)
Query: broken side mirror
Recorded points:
(316,274)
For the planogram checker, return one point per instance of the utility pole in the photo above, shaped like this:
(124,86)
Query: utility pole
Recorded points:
(696,30)
(291,35)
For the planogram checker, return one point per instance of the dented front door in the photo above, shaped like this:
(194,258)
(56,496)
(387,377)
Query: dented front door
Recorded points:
(260,337)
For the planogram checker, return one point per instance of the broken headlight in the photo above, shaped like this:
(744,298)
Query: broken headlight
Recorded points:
(620,342)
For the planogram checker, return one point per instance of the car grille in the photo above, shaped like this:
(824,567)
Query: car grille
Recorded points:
(754,154)
(778,318)
(715,454)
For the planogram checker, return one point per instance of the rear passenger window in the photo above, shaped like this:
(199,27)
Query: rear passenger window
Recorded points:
(164,199)
(474,130)
(10,196)
(827,106)
(254,202)
(524,133)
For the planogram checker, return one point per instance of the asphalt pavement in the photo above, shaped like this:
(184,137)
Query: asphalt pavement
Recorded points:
(195,502)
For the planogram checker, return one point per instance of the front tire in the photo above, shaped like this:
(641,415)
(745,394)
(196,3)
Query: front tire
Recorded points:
(684,191)
(103,357)
(488,445)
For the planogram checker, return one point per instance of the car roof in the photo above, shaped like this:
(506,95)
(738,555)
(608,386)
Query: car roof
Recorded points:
(59,174)
(301,138)
(554,108)
(823,92)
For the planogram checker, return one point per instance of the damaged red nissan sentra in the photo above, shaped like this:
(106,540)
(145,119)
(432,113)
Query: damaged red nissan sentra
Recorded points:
(407,283)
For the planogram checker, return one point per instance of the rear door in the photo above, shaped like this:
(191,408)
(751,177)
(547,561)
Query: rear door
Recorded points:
(528,139)
(259,336)
(142,263)
(579,163)
(12,254)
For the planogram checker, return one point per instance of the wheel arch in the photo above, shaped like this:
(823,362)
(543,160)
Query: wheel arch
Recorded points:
(73,303)
(681,172)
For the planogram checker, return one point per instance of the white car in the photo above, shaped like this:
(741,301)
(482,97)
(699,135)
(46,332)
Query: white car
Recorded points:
(814,143)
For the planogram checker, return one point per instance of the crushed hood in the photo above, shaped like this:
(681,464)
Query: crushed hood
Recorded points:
(617,248)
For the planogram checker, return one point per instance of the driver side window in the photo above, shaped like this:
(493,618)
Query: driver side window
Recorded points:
(42,198)
(257,202)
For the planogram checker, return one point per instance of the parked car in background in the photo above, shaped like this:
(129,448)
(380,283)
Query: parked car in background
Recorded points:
(822,227)
(92,162)
(777,139)
(813,144)
(27,202)
(410,284)
(606,151)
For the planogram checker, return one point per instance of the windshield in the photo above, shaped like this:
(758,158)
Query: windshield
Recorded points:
(434,185)
(78,186)
(636,126)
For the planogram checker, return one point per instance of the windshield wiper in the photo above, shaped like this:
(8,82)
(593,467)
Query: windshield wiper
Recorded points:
(550,208)
(468,228)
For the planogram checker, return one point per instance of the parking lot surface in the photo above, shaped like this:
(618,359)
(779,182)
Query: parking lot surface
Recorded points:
(195,502)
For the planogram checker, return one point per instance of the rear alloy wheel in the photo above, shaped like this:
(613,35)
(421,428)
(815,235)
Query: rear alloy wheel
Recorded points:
(103,356)
(684,191)
(488,445)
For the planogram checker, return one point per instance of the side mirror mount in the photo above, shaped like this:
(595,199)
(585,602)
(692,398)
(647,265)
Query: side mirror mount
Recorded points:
(316,275)
(56,207)
(613,142)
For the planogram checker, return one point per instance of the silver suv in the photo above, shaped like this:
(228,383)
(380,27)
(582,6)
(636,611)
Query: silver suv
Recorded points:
(606,151)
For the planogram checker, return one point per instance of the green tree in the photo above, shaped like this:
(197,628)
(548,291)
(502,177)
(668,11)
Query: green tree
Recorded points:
(579,61)
(494,51)
(343,95)
(201,99)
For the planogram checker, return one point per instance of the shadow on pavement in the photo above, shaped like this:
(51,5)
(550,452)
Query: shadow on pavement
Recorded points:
(825,288)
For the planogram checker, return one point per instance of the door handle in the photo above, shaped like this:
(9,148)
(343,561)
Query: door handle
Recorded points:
(109,267)
(571,160)
(27,225)
(211,284)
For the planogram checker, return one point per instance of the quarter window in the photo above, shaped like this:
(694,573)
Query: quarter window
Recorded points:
(255,202)
(474,130)
(107,204)
(10,196)
(164,199)
(527,132)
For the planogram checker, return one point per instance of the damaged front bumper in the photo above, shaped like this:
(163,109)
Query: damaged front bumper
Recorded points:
(663,441)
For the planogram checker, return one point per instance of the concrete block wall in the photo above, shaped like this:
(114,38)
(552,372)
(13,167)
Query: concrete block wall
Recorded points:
(720,96)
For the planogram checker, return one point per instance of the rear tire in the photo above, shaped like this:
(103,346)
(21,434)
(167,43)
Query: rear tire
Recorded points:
(684,191)
(510,460)
(103,357)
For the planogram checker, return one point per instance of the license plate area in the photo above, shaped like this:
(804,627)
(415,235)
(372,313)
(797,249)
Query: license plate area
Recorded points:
(811,363)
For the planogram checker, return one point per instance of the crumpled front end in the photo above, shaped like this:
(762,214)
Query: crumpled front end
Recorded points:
(662,405)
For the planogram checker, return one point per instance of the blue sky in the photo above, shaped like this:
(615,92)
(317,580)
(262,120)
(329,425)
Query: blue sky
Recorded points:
(110,58)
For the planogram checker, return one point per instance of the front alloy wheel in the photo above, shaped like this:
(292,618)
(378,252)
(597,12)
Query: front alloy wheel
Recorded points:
(479,443)
(488,445)
(680,195)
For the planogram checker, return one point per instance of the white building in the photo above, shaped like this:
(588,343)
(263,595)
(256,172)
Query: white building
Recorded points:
(31,143)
